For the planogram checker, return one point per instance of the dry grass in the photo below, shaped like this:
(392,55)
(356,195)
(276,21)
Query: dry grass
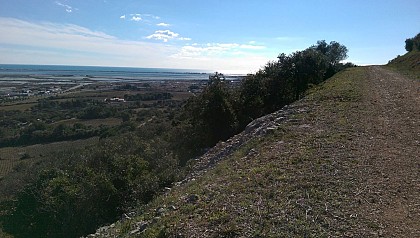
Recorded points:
(11,156)
(94,122)
(6,166)
(23,106)
(408,64)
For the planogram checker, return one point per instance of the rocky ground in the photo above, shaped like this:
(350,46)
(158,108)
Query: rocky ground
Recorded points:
(343,162)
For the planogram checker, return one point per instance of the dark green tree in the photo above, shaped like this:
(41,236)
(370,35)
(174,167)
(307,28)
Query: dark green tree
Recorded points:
(251,96)
(413,43)
(334,53)
(309,68)
(409,43)
(212,113)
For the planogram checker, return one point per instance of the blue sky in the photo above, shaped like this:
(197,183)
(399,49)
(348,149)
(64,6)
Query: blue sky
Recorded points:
(226,36)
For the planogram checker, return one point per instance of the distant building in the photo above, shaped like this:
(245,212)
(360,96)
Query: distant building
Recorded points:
(114,100)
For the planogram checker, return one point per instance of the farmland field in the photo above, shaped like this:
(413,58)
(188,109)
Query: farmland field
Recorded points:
(6,166)
(94,122)
(12,156)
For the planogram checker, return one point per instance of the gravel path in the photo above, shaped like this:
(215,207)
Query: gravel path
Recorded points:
(390,184)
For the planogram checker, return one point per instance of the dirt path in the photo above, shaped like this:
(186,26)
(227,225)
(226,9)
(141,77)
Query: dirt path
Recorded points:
(390,189)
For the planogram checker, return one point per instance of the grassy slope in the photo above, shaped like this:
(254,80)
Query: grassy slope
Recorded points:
(408,63)
(292,182)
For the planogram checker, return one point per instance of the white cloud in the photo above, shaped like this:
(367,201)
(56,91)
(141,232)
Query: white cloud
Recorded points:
(184,38)
(166,35)
(122,17)
(68,8)
(52,43)
(136,18)
(225,57)
(163,24)
(66,41)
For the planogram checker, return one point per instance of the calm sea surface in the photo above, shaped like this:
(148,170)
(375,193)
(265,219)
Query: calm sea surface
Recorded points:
(98,73)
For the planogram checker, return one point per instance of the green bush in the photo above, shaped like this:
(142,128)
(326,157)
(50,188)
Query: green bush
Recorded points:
(413,43)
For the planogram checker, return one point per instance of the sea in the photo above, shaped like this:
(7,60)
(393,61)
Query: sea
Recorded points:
(21,73)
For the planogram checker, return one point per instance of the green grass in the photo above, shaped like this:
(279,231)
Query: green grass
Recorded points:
(408,64)
(11,156)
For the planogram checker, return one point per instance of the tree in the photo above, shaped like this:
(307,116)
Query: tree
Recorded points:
(285,80)
(409,43)
(334,53)
(211,113)
(251,96)
(310,67)
(217,78)
(413,43)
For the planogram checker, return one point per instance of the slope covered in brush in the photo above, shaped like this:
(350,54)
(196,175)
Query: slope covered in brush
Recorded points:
(340,162)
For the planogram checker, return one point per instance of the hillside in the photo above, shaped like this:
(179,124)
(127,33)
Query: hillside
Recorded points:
(342,162)
(408,62)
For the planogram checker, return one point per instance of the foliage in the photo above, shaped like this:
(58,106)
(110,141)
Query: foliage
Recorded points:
(40,132)
(334,51)
(286,80)
(58,202)
(211,114)
(89,188)
(413,43)
(53,119)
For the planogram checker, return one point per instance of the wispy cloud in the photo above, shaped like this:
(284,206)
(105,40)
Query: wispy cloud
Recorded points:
(68,8)
(67,40)
(227,57)
(137,17)
(163,24)
(166,35)
(151,16)
(53,43)
(212,49)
